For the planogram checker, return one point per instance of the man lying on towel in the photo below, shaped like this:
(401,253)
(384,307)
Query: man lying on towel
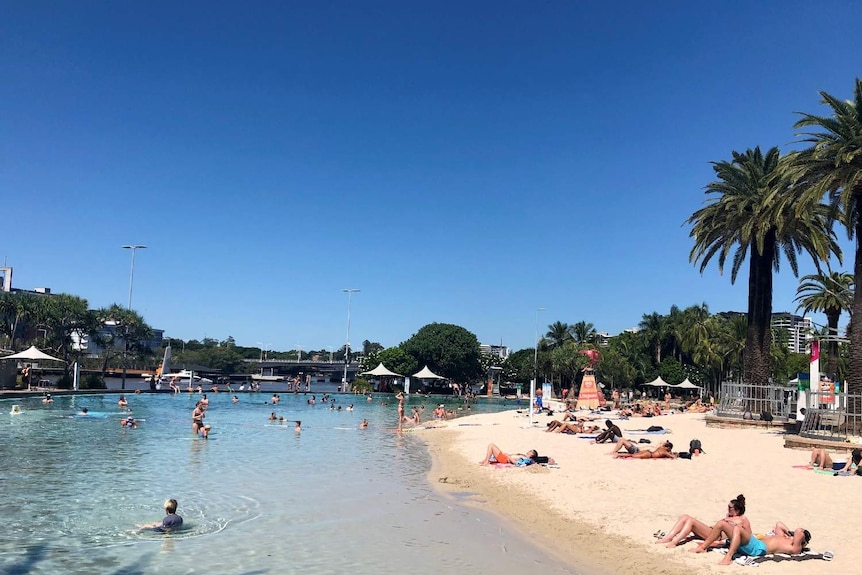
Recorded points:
(663,451)
(782,540)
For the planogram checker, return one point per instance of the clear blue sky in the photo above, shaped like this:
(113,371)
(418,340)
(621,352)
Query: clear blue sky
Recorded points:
(459,162)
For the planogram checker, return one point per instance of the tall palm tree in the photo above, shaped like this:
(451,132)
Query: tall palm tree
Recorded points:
(831,294)
(558,334)
(751,213)
(832,165)
(583,332)
(654,328)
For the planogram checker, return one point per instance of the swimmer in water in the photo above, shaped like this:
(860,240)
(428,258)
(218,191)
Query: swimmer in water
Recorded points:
(170,522)
(84,411)
(364,424)
(298,427)
(129,422)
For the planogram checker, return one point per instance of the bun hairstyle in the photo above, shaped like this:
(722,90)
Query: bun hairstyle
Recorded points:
(739,504)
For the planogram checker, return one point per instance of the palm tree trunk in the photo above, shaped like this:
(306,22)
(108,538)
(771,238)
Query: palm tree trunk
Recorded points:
(832,359)
(759,336)
(854,381)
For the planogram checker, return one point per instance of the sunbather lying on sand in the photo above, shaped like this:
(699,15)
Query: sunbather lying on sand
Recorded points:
(687,526)
(576,427)
(782,540)
(663,451)
(500,457)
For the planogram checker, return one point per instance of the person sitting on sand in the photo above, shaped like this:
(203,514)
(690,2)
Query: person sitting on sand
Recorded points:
(612,433)
(726,526)
(170,522)
(687,526)
(663,451)
(499,457)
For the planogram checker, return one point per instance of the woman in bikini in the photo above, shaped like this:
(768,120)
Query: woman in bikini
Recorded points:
(687,527)
(663,451)
(500,457)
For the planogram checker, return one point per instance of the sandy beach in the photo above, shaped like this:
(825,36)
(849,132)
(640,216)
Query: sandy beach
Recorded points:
(600,513)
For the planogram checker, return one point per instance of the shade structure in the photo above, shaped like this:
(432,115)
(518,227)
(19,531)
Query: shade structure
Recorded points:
(381,371)
(658,382)
(687,384)
(32,354)
(426,373)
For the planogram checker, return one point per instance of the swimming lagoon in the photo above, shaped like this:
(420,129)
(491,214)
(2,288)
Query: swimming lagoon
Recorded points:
(257,497)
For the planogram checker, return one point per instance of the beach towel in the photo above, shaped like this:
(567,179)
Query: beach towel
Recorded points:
(645,432)
(804,556)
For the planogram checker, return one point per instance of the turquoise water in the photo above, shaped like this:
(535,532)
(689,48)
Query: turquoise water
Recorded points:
(257,497)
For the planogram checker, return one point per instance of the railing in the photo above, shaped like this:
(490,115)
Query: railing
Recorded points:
(748,401)
(832,416)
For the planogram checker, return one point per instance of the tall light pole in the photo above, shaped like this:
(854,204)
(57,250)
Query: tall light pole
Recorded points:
(331,349)
(535,367)
(349,292)
(134,249)
(299,352)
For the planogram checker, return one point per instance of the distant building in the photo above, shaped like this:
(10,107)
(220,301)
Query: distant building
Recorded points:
(603,338)
(498,350)
(798,328)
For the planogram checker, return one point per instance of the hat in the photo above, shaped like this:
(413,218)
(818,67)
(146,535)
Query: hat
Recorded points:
(208,426)
(441,405)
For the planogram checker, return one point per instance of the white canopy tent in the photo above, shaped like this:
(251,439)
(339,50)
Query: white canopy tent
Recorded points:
(426,373)
(687,384)
(658,382)
(381,371)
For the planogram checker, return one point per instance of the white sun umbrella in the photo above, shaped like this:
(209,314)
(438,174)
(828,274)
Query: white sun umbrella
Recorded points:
(32,354)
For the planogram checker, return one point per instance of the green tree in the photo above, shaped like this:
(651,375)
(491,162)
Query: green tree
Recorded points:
(398,360)
(583,332)
(830,294)
(654,329)
(751,211)
(448,350)
(832,165)
(518,367)
(558,334)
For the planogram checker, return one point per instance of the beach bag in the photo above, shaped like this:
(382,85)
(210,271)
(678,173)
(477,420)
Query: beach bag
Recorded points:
(695,444)
(655,428)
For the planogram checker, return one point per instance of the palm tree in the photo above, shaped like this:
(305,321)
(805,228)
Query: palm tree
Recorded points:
(583,332)
(832,165)
(831,294)
(558,334)
(752,213)
(654,328)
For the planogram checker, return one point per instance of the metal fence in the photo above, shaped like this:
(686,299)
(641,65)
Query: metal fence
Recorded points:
(748,401)
(832,416)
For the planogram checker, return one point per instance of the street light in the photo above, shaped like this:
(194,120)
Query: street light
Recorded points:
(331,350)
(134,249)
(299,352)
(349,292)
(535,367)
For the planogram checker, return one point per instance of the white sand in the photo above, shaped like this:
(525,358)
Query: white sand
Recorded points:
(600,513)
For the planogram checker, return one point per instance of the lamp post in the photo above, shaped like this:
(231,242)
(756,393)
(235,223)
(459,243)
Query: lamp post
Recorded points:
(299,352)
(331,349)
(134,249)
(535,367)
(349,292)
